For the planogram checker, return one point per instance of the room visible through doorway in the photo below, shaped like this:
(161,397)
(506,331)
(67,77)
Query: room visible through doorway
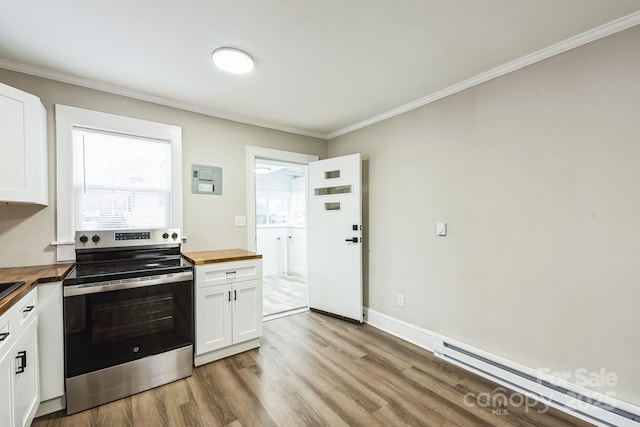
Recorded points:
(281,234)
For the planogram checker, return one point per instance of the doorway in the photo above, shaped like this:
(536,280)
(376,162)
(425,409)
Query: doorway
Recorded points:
(276,226)
(281,234)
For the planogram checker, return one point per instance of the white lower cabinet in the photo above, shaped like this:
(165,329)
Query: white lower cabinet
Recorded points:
(19,372)
(51,338)
(213,318)
(247,310)
(26,395)
(6,390)
(228,309)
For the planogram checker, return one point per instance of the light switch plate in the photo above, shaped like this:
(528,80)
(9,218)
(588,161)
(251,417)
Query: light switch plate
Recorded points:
(241,221)
(441,228)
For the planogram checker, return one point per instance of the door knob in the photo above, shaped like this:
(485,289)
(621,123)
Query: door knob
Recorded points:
(354,240)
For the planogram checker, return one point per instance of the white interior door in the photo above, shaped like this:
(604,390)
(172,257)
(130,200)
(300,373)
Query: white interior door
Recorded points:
(335,236)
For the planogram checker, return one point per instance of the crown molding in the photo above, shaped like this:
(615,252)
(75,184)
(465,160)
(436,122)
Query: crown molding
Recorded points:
(143,96)
(602,31)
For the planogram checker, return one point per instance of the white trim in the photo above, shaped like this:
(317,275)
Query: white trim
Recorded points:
(401,329)
(271,154)
(66,118)
(602,31)
(287,313)
(435,343)
(142,96)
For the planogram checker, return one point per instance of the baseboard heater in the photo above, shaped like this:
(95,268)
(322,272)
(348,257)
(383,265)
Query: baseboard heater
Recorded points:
(581,404)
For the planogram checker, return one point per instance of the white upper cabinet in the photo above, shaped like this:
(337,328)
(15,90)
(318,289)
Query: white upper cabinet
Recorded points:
(23,148)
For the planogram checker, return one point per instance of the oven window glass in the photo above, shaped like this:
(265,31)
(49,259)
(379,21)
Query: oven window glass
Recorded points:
(114,321)
(109,328)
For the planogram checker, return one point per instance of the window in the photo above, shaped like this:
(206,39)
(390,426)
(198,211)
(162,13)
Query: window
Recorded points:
(281,208)
(114,172)
(120,181)
(273,210)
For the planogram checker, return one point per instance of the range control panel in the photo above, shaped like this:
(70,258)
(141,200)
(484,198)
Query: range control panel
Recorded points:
(144,235)
(122,238)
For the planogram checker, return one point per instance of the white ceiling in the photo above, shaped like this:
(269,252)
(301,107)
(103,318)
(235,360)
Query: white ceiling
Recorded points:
(322,67)
(280,169)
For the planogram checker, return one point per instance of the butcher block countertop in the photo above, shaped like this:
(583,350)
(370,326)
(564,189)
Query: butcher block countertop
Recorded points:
(31,276)
(223,255)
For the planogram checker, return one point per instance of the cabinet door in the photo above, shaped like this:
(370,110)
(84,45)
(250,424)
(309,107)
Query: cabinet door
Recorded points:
(25,384)
(6,390)
(23,147)
(247,310)
(51,337)
(213,318)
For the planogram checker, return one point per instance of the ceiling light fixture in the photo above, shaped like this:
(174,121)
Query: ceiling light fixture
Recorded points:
(262,170)
(232,60)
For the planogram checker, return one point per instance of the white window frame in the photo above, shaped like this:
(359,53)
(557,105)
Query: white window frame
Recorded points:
(66,118)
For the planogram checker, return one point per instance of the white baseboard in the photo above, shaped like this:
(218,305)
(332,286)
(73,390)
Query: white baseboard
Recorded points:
(401,329)
(507,376)
(269,317)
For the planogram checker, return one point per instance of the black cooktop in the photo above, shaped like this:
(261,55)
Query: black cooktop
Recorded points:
(124,269)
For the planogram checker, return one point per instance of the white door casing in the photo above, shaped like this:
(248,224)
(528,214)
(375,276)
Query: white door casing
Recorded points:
(335,216)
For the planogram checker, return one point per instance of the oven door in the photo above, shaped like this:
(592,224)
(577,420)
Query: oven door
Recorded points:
(110,323)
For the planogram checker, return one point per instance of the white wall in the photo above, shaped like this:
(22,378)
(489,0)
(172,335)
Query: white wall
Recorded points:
(271,242)
(26,231)
(283,247)
(297,251)
(537,174)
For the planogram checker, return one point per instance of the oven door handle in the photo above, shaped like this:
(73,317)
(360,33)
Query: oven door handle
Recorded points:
(135,282)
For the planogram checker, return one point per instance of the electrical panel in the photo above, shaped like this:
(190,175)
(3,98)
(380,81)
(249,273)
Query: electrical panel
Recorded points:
(206,179)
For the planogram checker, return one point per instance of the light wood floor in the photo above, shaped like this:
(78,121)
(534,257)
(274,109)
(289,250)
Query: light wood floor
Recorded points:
(314,370)
(283,292)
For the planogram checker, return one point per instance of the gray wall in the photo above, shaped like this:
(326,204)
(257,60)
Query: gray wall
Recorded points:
(26,231)
(537,174)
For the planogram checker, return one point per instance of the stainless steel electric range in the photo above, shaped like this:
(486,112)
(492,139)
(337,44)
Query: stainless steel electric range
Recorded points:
(128,315)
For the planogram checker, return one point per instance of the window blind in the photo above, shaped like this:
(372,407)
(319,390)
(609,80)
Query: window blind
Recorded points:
(120,181)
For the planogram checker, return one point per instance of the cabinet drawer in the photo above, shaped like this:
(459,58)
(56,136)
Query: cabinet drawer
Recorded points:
(27,308)
(14,321)
(7,333)
(228,272)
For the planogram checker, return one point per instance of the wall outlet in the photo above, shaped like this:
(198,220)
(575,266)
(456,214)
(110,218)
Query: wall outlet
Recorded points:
(241,221)
(400,300)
